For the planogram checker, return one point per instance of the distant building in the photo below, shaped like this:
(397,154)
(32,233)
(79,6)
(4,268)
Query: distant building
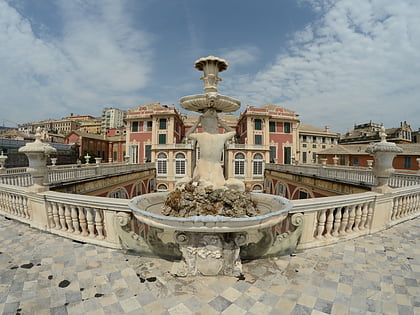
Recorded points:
(112,118)
(369,132)
(313,140)
(156,133)
(59,127)
(415,136)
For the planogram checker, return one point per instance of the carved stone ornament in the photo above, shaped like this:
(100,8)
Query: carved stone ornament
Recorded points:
(209,254)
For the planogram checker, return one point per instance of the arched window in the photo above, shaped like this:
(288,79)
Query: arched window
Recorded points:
(180,164)
(119,194)
(257,188)
(239,164)
(257,164)
(162,164)
(162,187)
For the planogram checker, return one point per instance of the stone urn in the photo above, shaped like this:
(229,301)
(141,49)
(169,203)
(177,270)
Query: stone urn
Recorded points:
(384,153)
(37,153)
(3,159)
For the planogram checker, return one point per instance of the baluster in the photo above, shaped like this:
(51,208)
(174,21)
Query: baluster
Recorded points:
(395,208)
(369,215)
(337,222)
(56,216)
(352,215)
(62,217)
(329,224)
(99,224)
(13,205)
(9,204)
(357,218)
(321,224)
(364,216)
(90,222)
(402,206)
(67,215)
(345,220)
(19,204)
(82,220)
(75,219)
(51,222)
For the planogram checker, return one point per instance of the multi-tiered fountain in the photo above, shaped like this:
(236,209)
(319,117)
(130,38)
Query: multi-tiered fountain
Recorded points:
(208,223)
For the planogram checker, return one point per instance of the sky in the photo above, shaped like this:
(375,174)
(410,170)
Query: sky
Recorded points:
(334,62)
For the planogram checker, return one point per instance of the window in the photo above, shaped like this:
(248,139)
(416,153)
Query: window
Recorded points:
(314,146)
(162,164)
(135,126)
(257,164)
(162,187)
(304,145)
(134,154)
(162,123)
(257,188)
(148,153)
(258,139)
(147,125)
(304,139)
(162,138)
(119,194)
(272,126)
(180,164)
(407,162)
(287,155)
(355,161)
(257,124)
(303,194)
(273,154)
(239,167)
(304,157)
(286,127)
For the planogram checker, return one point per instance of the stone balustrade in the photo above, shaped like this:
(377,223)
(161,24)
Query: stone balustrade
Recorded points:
(346,174)
(63,174)
(93,219)
(332,219)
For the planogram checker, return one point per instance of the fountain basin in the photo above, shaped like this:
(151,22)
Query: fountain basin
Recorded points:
(201,102)
(210,245)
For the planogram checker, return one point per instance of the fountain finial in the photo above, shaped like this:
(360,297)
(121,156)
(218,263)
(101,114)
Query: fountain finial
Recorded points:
(211,66)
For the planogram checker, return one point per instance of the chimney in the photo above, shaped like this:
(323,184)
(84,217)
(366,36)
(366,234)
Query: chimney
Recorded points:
(327,128)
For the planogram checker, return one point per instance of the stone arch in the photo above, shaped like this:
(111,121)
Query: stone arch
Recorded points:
(299,192)
(118,192)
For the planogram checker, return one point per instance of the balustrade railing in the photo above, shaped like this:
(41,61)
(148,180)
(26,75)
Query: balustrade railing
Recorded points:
(326,220)
(17,179)
(72,172)
(347,174)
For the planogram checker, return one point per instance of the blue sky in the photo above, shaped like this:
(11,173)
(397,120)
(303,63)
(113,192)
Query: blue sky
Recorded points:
(334,62)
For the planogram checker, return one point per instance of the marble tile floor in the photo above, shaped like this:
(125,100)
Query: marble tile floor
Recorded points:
(42,273)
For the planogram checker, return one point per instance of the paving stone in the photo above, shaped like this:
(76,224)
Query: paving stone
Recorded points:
(376,274)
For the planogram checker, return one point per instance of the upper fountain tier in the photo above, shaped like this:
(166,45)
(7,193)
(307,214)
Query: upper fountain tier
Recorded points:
(211,66)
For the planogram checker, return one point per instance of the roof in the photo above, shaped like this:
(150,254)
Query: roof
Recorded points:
(305,128)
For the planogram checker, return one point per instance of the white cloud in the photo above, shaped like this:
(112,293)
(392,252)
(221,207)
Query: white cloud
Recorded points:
(359,61)
(240,56)
(98,59)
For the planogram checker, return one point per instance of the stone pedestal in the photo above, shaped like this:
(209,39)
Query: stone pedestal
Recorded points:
(335,160)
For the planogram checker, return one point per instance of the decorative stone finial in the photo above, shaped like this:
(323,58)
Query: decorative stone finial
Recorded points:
(211,66)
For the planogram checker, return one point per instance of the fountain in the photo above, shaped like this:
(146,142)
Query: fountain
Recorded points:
(228,224)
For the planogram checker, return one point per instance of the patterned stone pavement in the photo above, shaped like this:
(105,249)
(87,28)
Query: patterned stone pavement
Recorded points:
(45,274)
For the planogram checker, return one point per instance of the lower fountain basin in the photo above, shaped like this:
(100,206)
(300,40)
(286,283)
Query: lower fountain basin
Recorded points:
(147,209)
(209,245)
